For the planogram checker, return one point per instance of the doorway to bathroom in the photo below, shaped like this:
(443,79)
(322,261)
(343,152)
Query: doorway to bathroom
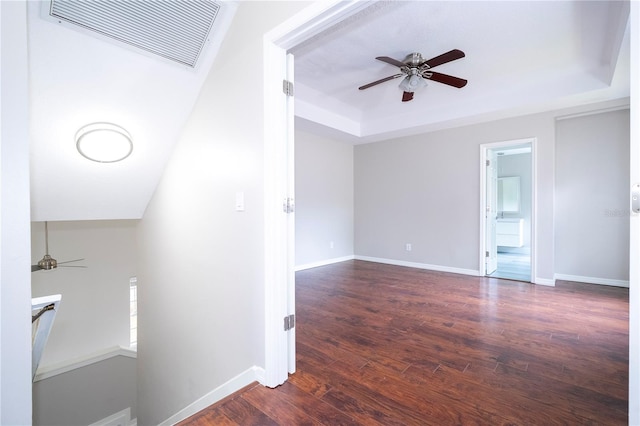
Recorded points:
(507,210)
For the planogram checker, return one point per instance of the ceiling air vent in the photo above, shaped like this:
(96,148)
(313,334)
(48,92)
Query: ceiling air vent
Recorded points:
(176,30)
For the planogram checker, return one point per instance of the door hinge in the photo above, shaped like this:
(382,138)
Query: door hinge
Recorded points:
(635,198)
(289,322)
(289,205)
(287,87)
(486,254)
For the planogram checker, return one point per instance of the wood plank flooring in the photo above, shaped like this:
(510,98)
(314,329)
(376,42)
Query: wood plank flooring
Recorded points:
(388,345)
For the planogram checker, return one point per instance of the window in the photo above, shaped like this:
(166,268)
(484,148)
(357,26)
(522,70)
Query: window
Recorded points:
(133,312)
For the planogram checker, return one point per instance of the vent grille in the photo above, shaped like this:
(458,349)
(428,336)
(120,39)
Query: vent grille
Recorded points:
(176,30)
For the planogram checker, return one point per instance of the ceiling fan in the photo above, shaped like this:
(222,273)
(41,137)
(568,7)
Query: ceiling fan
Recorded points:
(416,71)
(48,262)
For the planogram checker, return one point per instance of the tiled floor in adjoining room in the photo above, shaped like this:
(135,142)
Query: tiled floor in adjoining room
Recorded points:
(513,266)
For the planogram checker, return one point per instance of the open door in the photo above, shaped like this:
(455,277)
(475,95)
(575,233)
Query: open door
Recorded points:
(491,213)
(291,233)
(634,243)
(279,178)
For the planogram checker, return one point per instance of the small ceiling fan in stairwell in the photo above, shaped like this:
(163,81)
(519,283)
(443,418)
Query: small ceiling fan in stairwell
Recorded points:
(48,262)
(416,71)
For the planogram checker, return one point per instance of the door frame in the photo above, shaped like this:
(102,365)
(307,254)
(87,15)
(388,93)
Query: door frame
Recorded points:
(634,243)
(279,233)
(491,207)
(484,151)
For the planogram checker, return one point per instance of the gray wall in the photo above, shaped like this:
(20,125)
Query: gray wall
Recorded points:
(94,310)
(201,264)
(519,165)
(592,196)
(87,394)
(425,190)
(324,199)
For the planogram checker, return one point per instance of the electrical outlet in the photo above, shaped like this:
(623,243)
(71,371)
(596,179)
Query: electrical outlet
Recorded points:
(407,247)
(330,244)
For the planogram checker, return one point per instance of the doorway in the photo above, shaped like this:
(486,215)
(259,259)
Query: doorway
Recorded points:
(507,210)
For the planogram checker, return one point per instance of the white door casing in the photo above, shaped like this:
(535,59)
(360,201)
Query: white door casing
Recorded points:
(634,225)
(486,151)
(491,212)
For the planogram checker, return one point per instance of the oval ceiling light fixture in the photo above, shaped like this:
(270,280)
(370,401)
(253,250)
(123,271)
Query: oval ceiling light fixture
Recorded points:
(104,142)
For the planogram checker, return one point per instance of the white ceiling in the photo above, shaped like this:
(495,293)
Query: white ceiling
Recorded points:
(521,57)
(78,78)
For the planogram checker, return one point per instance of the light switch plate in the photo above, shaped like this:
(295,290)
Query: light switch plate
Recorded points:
(239,201)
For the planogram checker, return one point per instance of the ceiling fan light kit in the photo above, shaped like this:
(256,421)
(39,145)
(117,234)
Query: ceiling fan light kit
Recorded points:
(104,142)
(416,71)
(412,82)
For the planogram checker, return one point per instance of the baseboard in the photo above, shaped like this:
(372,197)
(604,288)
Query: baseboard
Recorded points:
(121,418)
(66,366)
(592,280)
(323,262)
(438,268)
(545,281)
(243,379)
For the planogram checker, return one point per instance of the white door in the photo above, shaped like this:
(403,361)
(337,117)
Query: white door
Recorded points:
(634,261)
(291,235)
(491,213)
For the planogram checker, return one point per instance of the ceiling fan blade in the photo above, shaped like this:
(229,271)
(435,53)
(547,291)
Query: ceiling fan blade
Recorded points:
(407,96)
(71,266)
(445,78)
(391,61)
(69,261)
(366,86)
(451,55)
(35,268)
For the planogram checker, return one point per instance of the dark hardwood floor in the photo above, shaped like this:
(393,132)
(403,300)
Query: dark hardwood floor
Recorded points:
(389,345)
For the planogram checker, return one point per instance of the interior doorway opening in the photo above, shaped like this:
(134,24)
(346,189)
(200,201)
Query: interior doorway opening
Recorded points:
(508,210)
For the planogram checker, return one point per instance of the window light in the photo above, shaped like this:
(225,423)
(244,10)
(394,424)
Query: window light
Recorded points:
(104,142)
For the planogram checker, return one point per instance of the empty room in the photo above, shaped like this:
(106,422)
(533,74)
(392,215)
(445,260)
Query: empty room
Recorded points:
(393,213)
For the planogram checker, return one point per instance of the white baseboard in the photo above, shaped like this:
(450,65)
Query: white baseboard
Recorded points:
(121,418)
(63,367)
(592,280)
(323,262)
(438,268)
(550,282)
(243,379)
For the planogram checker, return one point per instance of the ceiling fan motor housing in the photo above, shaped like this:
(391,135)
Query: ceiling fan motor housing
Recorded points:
(47,262)
(413,59)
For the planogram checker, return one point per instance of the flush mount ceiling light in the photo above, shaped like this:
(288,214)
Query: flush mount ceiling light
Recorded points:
(104,142)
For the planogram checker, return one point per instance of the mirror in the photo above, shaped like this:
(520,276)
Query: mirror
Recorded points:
(509,194)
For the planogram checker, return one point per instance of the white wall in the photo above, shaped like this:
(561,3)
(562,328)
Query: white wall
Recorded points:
(201,270)
(15,289)
(592,204)
(94,311)
(324,199)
